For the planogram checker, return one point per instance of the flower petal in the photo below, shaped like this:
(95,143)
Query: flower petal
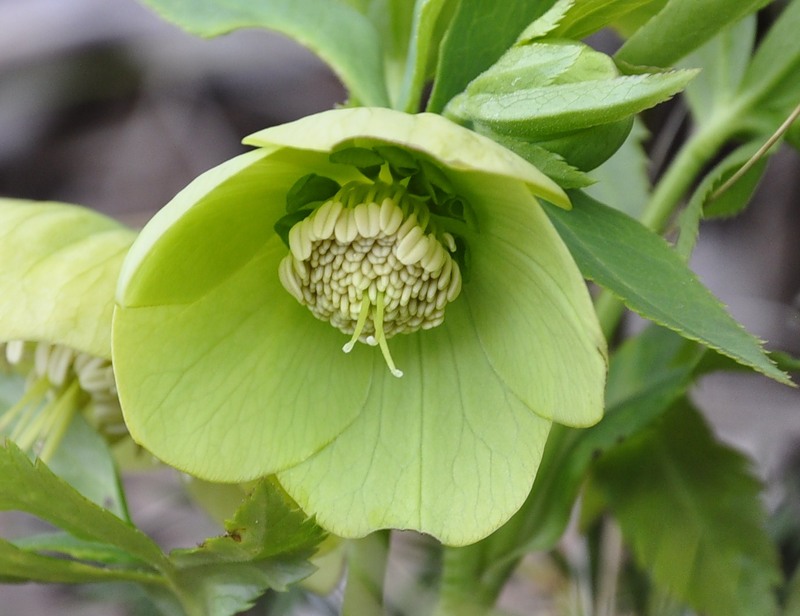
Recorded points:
(221,372)
(59,268)
(530,305)
(452,145)
(446,450)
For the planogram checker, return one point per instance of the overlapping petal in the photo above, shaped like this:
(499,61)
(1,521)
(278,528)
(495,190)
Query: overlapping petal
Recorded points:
(222,373)
(59,268)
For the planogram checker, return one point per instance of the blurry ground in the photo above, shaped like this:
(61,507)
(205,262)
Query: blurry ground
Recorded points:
(104,105)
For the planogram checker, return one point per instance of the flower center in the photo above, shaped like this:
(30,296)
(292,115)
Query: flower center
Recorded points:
(371,262)
(60,383)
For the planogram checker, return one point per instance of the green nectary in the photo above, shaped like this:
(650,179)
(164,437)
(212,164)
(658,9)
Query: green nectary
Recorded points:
(224,374)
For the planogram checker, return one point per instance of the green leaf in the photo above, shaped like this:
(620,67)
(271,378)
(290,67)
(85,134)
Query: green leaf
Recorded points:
(267,524)
(729,203)
(723,61)
(588,16)
(20,565)
(479,33)
(646,375)
(66,544)
(628,24)
(266,545)
(622,181)
(34,489)
(690,510)
(770,77)
(638,266)
(551,164)
(559,108)
(309,189)
(531,66)
(59,267)
(338,33)
(547,23)
(680,27)
(84,461)
(393,21)
(426,34)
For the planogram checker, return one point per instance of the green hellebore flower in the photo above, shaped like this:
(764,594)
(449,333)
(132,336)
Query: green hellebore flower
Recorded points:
(232,317)
(60,267)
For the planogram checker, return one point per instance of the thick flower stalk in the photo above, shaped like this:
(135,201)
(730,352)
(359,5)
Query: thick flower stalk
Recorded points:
(60,265)
(265,315)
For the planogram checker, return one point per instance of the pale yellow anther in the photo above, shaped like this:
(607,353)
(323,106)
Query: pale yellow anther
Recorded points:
(449,242)
(345,230)
(413,247)
(15,350)
(294,243)
(361,215)
(374,212)
(324,222)
(408,224)
(434,258)
(290,282)
(60,360)
(60,383)
(391,217)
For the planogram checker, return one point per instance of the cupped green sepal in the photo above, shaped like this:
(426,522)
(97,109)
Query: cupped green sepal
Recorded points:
(425,133)
(60,266)
(59,269)
(225,373)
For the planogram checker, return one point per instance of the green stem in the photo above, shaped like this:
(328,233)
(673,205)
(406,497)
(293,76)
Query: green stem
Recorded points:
(462,592)
(689,162)
(366,569)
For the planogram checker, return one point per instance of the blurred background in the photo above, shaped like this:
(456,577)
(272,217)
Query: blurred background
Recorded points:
(104,105)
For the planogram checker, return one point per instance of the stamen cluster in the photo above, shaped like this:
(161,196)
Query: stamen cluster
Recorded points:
(60,382)
(372,268)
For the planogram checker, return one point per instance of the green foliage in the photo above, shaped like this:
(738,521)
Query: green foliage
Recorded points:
(646,375)
(705,203)
(560,96)
(689,508)
(723,60)
(34,489)
(560,108)
(622,181)
(338,33)
(640,268)
(479,33)
(769,80)
(588,16)
(266,545)
(83,460)
(427,30)
(680,27)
